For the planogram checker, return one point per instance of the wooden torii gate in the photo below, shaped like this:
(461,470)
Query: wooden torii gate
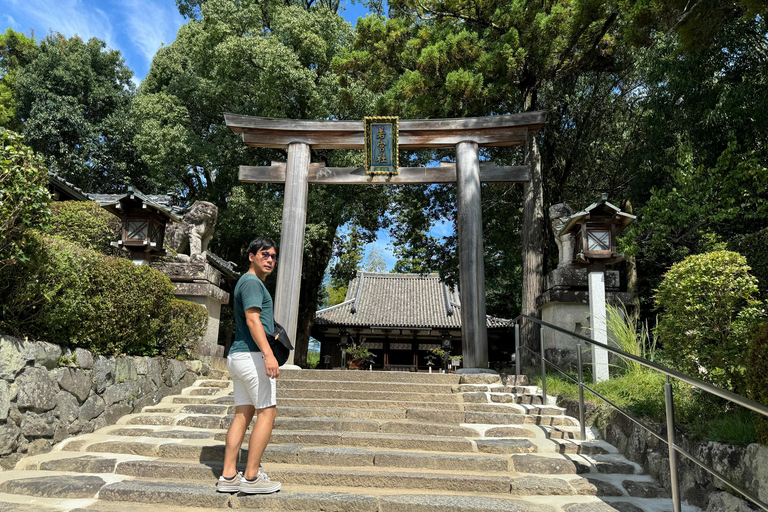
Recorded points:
(466,135)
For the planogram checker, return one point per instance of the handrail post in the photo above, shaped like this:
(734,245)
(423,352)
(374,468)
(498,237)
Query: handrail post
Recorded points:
(517,350)
(583,429)
(672,451)
(543,369)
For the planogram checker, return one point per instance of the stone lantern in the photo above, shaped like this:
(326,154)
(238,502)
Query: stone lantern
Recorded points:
(594,231)
(144,223)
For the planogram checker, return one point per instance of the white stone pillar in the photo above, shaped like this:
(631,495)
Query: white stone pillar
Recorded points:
(292,240)
(598,323)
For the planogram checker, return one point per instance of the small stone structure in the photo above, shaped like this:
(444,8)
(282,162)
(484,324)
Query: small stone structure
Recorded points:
(190,238)
(565,300)
(48,394)
(193,275)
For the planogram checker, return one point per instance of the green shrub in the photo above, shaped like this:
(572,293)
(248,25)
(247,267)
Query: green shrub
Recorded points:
(710,305)
(184,328)
(754,247)
(757,377)
(85,223)
(75,296)
(23,195)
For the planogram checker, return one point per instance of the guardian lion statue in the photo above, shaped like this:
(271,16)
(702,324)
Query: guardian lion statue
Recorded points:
(190,238)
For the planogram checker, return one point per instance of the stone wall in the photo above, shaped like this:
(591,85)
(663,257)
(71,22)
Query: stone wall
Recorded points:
(745,466)
(48,393)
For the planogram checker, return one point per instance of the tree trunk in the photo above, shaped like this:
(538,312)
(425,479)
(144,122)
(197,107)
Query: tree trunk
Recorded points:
(533,243)
(315,263)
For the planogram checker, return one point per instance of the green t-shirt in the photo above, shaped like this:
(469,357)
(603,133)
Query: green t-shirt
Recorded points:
(250,292)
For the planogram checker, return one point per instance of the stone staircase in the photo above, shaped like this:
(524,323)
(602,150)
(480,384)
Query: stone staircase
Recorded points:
(346,441)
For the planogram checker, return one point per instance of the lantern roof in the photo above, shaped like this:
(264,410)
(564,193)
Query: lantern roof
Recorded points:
(600,208)
(116,203)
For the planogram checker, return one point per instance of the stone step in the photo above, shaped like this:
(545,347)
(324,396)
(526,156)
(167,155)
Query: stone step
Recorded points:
(363,404)
(325,424)
(212,383)
(183,490)
(371,376)
(495,418)
(366,396)
(403,387)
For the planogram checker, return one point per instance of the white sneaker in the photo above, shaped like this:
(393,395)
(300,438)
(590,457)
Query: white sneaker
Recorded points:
(229,484)
(259,485)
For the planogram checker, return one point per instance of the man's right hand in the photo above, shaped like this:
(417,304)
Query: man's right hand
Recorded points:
(273,369)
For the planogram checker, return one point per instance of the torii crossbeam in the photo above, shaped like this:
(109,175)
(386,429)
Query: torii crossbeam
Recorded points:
(466,135)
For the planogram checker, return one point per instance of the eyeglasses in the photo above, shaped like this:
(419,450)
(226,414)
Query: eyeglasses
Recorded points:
(267,256)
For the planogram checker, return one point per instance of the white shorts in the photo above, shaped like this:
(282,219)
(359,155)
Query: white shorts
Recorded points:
(250,381)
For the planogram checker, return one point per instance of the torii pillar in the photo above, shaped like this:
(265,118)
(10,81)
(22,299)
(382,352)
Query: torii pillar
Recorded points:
(466,135)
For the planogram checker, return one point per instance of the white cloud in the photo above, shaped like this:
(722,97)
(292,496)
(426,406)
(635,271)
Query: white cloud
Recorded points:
(70,17)
(151,23)
(9,20)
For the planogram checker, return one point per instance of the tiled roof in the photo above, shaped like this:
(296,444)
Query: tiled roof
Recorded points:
(398,301)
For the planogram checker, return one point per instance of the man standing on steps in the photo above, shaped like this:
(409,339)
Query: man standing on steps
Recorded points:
(253,369)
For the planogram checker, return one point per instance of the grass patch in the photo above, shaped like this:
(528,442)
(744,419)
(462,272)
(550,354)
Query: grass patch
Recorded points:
(702,416)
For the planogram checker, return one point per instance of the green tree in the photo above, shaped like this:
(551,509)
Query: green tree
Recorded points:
(16,51)
(272,60)
(24,196)
(74,99)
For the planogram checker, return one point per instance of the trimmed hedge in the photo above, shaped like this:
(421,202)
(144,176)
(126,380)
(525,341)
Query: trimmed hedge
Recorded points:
(710,307)
(85,223)
(67,294)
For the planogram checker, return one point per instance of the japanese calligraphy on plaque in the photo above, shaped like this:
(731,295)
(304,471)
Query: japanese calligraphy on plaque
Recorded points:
(381,145)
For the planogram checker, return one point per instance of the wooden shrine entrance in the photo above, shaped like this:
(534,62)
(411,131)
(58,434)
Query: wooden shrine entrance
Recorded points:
(466,135)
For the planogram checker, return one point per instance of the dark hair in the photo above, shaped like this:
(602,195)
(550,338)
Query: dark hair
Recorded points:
(260,243)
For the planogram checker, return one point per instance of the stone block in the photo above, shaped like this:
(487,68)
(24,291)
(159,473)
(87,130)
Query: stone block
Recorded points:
(155,371)
(439,503)
(84,358)
(13,357)
(37,391)
(644,489)
(125,370)
(9,438)
(76,381)
(5,400)
(35,425)
(480,378)
(595,487)
(336,457)
(123,392)
(39,446)
(44,353)
(539,486)
(526,463)
(82,486)
(173,372)
(116,411)
(67,408)
(506,446)
(475,398)
(91,408)
(194,366)
(756,470)
(84,464)
(723,501)
(103,373)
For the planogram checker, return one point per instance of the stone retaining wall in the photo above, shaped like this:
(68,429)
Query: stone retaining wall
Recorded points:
(746,466)
(48,393)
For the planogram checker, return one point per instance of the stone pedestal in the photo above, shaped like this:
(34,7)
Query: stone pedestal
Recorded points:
(199,282)
(565,303)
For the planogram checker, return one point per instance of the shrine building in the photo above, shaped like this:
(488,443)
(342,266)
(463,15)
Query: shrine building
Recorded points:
(399,318)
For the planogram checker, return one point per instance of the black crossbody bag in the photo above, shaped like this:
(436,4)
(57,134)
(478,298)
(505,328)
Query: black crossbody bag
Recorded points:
(280,344)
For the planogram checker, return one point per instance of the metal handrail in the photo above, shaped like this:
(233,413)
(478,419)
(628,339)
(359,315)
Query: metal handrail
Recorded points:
(670,415)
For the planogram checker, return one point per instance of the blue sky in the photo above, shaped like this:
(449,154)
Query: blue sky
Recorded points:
(137,28)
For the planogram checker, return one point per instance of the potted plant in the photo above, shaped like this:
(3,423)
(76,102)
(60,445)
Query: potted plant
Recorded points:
(356,355)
